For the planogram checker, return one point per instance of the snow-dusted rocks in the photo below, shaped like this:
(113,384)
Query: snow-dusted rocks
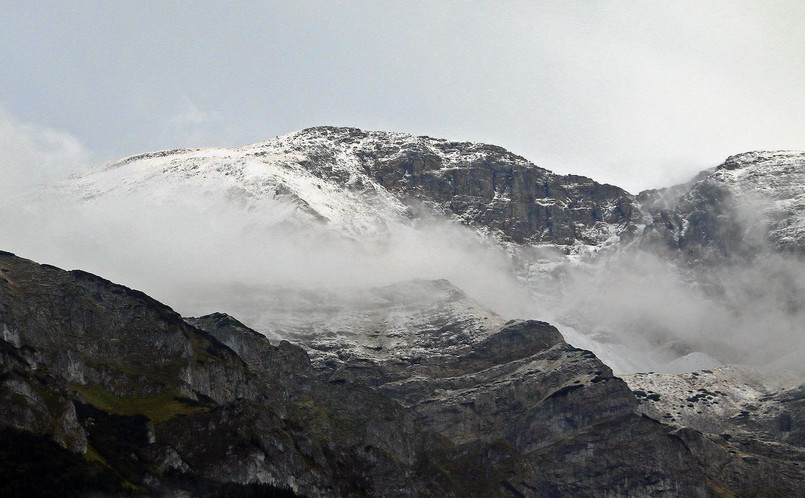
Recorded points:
(752,200)
(288,180)
(745,421)
(775,181)
(356,181)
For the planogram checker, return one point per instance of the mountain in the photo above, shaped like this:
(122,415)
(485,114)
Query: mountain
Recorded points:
(387,288)
(105,389)
(339,207)
(355,181)
(750,201)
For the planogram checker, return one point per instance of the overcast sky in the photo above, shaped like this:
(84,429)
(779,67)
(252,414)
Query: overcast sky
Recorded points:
(639,94)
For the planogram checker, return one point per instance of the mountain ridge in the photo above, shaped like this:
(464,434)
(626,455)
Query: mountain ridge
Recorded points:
(496,191)
(265,423)
(382,164)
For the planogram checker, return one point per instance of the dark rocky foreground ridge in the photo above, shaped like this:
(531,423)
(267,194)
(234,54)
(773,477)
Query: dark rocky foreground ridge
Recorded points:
(106,390)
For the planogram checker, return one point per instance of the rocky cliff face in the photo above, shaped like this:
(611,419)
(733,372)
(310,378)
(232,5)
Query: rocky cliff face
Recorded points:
(519,411)
(748,203)
(745,421)
(488,187)
(148,403)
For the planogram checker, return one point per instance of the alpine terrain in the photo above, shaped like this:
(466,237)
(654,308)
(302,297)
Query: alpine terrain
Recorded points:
(375,313)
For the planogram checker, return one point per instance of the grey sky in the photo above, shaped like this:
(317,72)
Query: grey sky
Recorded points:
(639,94)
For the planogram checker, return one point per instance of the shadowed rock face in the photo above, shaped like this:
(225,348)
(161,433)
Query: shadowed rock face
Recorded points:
(486,186)
(124,382)
(516,394)
(495,189)
(149,401)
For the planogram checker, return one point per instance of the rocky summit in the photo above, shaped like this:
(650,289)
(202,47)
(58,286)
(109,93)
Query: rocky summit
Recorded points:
(751,201)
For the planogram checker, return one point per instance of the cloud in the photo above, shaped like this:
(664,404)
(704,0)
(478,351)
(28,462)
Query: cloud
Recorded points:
(191,126)
(194,249)
(201,252)
(745,309)
(32,155)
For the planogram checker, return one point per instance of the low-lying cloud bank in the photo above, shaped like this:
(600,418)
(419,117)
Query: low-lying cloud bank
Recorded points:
(736,313)
(191,251)
(201,257)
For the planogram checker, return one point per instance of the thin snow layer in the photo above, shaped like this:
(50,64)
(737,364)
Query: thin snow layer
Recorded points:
(712,400)
(269,182)
(772,184)
(398,322)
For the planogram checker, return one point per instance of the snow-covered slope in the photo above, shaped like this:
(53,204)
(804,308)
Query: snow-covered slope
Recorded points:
(728,398)
(297,179)
(739,420)
(355,181)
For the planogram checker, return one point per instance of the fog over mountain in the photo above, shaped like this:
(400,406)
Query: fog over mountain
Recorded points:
(569,261)
(643,281)
(367,312)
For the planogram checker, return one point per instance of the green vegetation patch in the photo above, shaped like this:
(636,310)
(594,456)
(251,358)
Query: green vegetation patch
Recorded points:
(158,408)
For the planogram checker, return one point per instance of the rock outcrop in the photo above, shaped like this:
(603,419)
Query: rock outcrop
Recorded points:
(751,202)
(742,423)
(139,400)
